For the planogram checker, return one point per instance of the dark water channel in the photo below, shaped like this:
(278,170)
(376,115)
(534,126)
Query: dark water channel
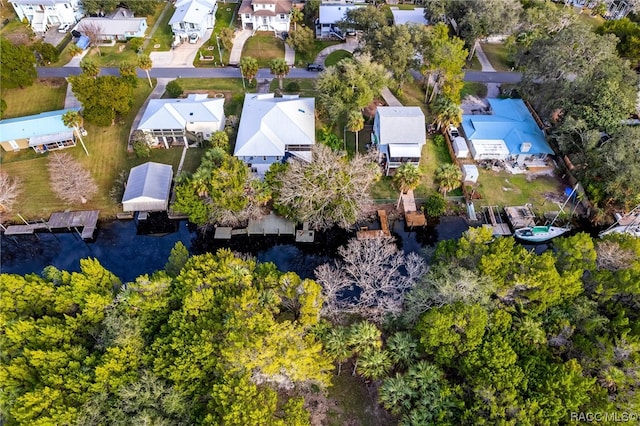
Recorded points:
(129,250)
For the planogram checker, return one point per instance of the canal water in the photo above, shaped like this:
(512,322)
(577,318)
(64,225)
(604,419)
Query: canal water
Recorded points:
(129,250)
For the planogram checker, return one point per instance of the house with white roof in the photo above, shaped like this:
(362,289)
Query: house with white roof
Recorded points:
(399,133)
(409,16)
(120,26)
(193,17)
(508,133)
(272,129)
(44,14)
(43,132)
(265,15)
(178,121)
(329,15)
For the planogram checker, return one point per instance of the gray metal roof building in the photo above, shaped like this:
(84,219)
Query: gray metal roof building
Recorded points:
(148,188)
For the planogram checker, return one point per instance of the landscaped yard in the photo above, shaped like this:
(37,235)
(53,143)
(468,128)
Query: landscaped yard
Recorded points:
(304,58)
(306,86)
(264,47)
(108,157)
(473,89)
(337,56)
(230,87)
(498,55)
(113,56)
(210,48)
(163,35)
(44,95)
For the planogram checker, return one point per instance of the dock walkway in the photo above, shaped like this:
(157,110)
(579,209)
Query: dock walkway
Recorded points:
(372,234)
(85,219)
(492,219)
(412,216)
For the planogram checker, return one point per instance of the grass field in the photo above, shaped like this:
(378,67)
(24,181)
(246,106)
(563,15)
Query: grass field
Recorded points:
(337,56)
(163,35)
(474,89)
(113,56)
(306,86)
(210,48)
(304,58)
(230,87)
(108,157)
(44,95)
(505,189)
(264,47)
(498,55)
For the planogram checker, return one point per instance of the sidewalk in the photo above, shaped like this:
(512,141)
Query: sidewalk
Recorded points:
(238,43)
(493,89)
(289,54)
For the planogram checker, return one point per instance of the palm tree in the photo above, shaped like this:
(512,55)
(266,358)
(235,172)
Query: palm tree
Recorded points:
(396,394)
(449,177)
(424,377)
(407,177)
(279,68)
(73,120)
(446,112)
(355,123)
(403,348)
(374,363)
(248,67)
(145,63)
(337,347)
(296,16)
(89,67)
(362,336)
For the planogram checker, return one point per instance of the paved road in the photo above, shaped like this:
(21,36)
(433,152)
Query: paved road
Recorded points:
(230,72)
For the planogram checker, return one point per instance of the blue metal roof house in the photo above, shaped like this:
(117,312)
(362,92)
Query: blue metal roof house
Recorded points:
(508,133)
(43,132)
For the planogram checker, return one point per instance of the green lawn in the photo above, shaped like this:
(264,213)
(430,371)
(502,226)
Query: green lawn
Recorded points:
(163,35)
(304,58)
(337,56)
(474,89)
(210,48)
(306,86)
(474,65)
(505,189)
(230,87)
(498,55)
(108,157)
(113,56)
(44,95)
(264,47)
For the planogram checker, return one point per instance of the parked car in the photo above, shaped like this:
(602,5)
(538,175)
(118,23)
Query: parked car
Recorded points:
(453,131)
(315,67)
(193,38)
(63,28)
(284,35)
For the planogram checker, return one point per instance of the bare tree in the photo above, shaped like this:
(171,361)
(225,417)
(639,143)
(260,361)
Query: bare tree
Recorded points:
(69,180)
(370,280)
(10,189)
(613,257)
(93,31)
(329,190)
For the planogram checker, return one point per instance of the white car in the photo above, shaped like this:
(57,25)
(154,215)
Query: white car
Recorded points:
(453,131)
(193,38)
(63,28)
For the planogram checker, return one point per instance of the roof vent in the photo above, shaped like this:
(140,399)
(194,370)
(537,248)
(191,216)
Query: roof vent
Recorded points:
(190,113)
(525,147)
(301,110)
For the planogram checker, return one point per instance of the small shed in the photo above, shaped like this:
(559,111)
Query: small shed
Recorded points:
(469,173)
(148,188)
(460,147)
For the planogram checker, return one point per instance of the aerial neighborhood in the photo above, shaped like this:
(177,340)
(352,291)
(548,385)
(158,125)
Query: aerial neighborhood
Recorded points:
(320,212)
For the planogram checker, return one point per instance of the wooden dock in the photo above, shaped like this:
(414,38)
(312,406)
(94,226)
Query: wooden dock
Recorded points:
(83,222)
(520,216)
(412,216)
(492,219)
(268,225)
(371,234)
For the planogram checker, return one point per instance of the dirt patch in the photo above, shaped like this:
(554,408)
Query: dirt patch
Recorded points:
(554,197)
(370,110)
(51,82)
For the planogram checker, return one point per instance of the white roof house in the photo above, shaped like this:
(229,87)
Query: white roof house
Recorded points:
(114,28)
(400,133)
(197,113)
(148,188)
(193,16)
(411,17)
(271,128)
(329,15)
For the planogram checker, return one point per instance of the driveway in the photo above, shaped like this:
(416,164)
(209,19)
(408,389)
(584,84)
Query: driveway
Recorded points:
(181,56)
(493,89)
(239,40)
(350,45)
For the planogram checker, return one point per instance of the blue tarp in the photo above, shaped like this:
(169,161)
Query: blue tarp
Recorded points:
(83,42)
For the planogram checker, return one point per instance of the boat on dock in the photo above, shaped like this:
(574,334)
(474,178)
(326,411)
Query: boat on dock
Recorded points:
(628,224)
(540,234)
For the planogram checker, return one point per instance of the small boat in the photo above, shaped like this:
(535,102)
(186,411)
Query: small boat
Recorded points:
(628,224)
(539,234)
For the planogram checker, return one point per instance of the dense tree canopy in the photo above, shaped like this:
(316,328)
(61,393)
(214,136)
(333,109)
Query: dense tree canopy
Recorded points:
(103,98)
(18,65)
(222,190)
(219,341)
